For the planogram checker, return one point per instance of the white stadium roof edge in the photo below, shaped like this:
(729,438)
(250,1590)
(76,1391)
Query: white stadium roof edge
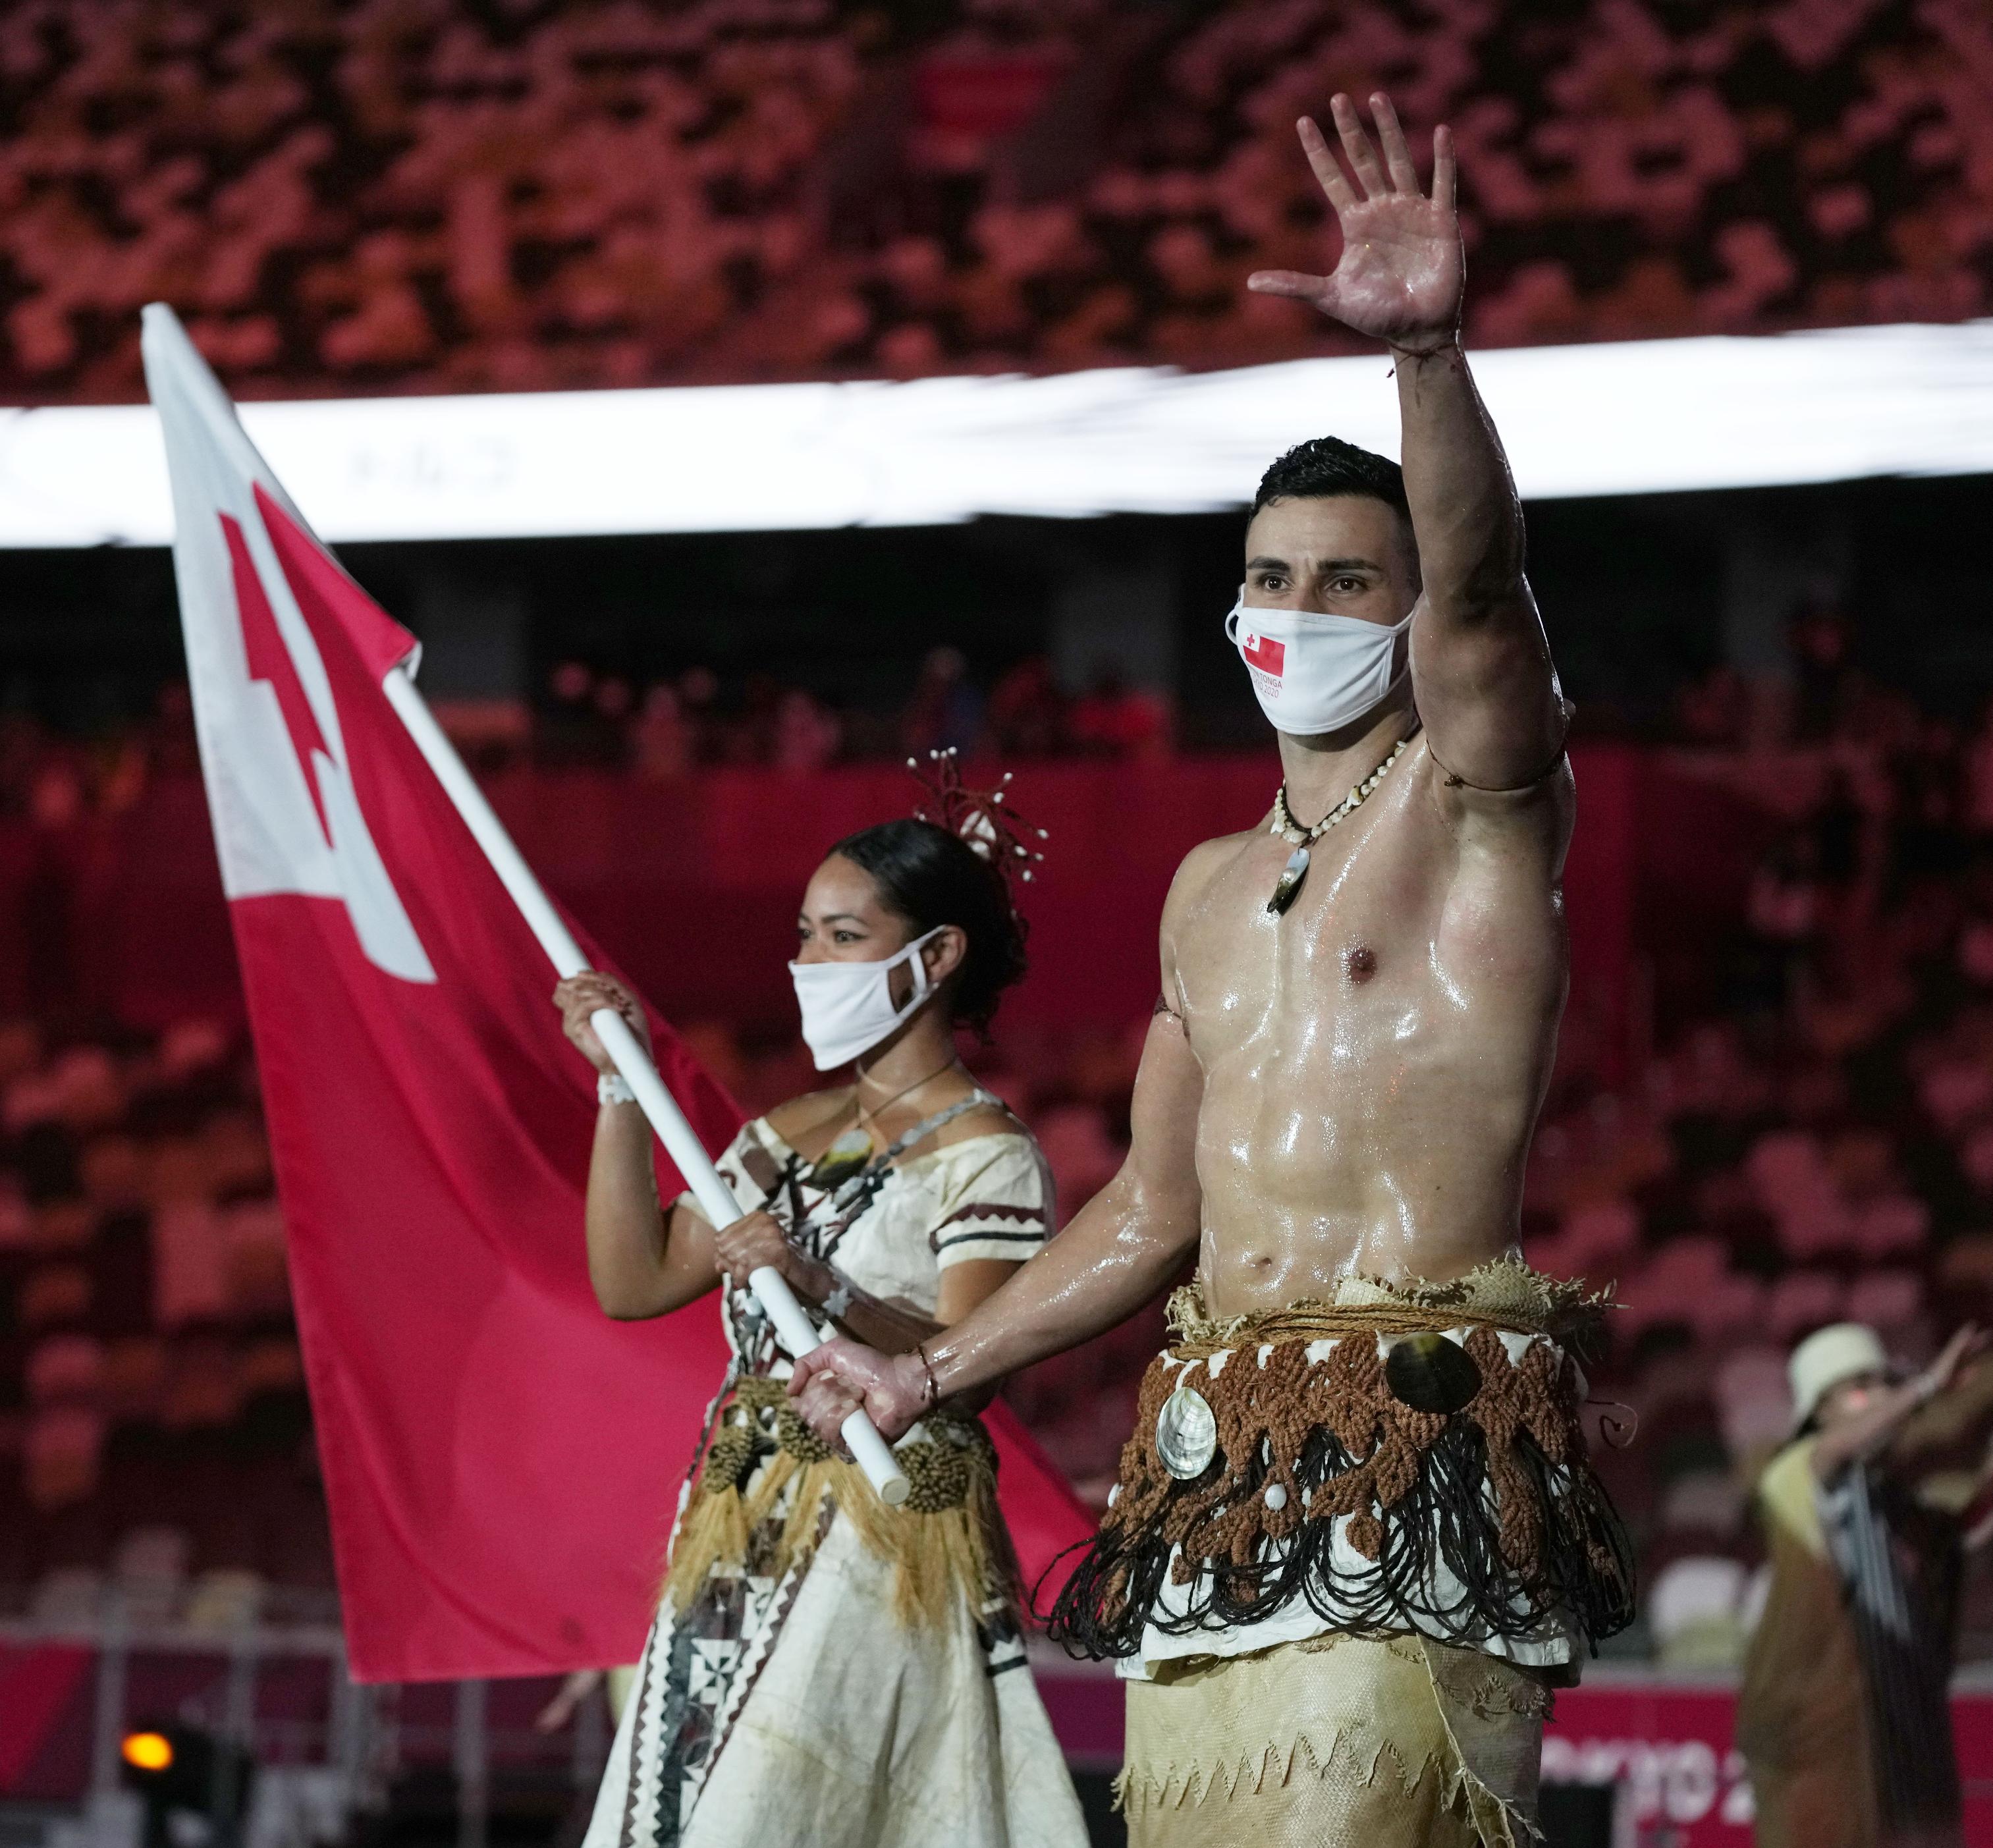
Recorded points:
(1619,418)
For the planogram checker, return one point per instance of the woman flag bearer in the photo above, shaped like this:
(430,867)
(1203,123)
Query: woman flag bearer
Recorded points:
(822,1668)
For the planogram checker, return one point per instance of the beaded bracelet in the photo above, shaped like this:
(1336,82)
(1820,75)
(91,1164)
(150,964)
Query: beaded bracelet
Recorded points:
(1423,352)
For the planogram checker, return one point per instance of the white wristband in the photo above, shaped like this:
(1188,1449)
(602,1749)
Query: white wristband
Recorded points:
(613,1087)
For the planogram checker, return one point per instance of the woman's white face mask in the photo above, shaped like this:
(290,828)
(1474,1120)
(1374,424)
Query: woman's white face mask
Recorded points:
(848,1007)
(1314,673)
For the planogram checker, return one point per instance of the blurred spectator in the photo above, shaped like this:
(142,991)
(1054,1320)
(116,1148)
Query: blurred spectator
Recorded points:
(1114,719)
(1824,682)
(576,727)
(1714,709)
(699,693)
(344,195)
(1977,767)
(806,733)
(1027,714)
(662,745)
(945,713)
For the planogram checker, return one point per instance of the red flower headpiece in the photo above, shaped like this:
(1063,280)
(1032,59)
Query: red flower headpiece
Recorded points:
(982,817)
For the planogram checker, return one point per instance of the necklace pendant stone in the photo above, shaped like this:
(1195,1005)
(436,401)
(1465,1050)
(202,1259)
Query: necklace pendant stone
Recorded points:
(1295,871)
(844,1158)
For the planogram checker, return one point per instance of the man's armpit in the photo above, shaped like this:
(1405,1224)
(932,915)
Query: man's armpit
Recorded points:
(1162,1011)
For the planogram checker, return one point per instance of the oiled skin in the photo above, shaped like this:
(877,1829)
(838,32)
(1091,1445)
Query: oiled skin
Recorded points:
(1350,1087)
(1371,1062)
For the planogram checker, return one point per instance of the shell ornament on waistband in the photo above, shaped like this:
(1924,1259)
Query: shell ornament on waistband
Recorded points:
(1186,1434)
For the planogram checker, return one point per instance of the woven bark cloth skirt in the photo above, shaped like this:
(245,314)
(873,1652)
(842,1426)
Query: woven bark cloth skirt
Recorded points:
(1342,1742)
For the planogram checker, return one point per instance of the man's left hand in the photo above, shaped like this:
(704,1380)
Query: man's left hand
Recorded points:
(1401,272)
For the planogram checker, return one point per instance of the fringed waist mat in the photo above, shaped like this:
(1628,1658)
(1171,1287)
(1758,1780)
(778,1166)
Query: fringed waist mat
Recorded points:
(1401,1458)
(767,1488)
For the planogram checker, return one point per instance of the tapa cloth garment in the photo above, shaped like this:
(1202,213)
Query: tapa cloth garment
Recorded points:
(1331,1502)
(1340,1742)
(1843,1714)
(823,1668)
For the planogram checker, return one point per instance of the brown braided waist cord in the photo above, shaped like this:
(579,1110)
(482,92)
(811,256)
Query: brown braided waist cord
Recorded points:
(1482,1521)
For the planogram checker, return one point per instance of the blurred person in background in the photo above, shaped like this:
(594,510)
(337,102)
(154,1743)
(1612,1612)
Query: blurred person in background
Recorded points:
(613,699)
(1976,798)
(1355,1526)
(750,736)
(1114,719)
(945,713)
(1843,1713)
(1824,681)
(580,724)
(699,704)
(661,744)
(807,734)
(823,1668)
(1027,710)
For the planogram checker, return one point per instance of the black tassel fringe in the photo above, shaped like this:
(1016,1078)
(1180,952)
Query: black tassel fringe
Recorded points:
(1585,1566)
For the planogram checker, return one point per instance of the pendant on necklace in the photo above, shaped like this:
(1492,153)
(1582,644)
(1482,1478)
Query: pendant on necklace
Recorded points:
(1285,824)
(849,1153)
(1290,881)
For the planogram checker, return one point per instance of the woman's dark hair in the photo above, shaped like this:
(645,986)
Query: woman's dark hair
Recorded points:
(931,877)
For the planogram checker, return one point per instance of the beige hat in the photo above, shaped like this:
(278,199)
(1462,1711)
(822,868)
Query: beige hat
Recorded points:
(1844,1350)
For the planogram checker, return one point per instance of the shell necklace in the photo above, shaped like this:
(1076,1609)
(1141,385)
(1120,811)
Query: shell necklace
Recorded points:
(1289,829)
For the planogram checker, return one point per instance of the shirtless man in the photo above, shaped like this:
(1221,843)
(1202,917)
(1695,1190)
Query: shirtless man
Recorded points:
(1334,1105)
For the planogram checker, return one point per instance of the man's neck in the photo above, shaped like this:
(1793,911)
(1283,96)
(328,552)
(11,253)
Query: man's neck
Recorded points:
(1321,770)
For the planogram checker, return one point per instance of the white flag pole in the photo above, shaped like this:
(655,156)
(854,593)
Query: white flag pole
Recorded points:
(688,1154)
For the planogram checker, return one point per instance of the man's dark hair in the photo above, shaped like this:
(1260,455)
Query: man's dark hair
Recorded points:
(1326,466)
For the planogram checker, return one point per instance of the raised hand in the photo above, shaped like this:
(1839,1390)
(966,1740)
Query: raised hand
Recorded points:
(1401,272)
(1966,1345)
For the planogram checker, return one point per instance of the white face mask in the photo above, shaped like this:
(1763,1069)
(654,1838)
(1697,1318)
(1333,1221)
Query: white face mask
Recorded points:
(848,1006)
(1314,673)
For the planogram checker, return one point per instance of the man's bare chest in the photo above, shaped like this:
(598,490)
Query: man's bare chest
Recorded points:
(1360,936)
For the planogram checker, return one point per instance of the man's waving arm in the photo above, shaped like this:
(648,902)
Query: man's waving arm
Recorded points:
(1481,665)
(1123,1247)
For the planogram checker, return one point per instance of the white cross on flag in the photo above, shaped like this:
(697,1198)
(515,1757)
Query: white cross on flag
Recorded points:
(501,1458)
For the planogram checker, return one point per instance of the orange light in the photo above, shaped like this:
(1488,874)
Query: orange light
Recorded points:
(148,1751)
